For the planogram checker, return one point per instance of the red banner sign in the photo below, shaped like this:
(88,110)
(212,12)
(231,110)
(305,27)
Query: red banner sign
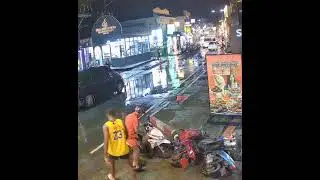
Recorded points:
(225,83)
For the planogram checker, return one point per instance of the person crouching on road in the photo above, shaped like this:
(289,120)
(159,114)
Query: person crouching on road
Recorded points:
(115,146)
(132,125)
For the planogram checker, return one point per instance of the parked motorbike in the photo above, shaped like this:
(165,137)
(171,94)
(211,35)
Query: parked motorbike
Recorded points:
(194,146)
(217,162)
(155,144)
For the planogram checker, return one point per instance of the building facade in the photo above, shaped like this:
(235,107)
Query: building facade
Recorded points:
(139,40)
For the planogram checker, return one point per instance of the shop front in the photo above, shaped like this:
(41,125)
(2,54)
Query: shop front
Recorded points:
(115,48)
(85,54)
(177,41)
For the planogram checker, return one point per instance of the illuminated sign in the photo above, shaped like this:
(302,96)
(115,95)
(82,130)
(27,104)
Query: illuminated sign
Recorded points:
(226,11)
(158,10)
(170,28)
(105,28)
(225,83)
(187,29)
(236,39)
(187,24)
(239,32)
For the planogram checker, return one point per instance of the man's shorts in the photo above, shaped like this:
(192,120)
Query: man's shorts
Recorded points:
(118,157)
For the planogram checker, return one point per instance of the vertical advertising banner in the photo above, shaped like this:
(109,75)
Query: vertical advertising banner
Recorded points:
(225,83)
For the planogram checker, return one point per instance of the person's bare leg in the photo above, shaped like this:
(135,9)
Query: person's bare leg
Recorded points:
(132,172)
(130,159)
(111,163)
(135,155)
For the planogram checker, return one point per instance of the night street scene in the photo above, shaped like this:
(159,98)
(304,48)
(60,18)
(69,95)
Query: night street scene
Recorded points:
(159,89)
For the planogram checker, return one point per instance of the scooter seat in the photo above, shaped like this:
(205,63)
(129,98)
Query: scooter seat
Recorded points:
(210,145)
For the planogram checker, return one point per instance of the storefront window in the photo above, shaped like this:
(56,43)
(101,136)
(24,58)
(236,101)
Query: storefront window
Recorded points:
(86,55)
(156,38)
(148,43)
(145,44)
(151,41)
(122,48)
(115,49)
(131,45)
(79,61)
(140,45)
(97,53)
(127,47)
(136,45)
(91,53)
(106,51)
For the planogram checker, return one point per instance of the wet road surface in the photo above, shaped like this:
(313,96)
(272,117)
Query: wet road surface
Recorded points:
(148,83)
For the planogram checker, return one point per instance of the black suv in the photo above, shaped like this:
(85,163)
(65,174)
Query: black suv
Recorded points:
(98,83)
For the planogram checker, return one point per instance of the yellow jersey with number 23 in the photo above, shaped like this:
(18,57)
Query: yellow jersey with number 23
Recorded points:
(117,138)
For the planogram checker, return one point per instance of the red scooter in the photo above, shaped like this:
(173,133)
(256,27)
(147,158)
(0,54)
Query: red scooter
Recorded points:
(187,152)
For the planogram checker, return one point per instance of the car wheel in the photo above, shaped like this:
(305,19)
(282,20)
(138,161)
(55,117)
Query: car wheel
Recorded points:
(89,100)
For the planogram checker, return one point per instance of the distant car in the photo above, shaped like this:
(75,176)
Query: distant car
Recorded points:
(212,46)
(98,83)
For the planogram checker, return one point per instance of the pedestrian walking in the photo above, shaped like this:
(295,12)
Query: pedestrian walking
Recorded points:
(115,146)
(132,125)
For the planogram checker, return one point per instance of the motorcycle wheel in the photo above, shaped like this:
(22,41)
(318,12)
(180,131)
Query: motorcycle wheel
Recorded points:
(167,151)
(213,170)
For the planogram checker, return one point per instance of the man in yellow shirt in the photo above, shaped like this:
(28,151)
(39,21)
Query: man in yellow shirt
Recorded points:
(115,146)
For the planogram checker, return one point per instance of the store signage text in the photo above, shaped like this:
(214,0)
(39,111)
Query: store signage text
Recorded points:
(226,64)
(105,28)
(239,32)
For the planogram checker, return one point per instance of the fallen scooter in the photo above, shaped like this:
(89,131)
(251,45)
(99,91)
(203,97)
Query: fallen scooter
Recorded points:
(186,148)
(155,144)
(194,146)
(217,162)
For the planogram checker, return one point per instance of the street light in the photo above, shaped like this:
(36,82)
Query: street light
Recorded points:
(213,11)
(221,10)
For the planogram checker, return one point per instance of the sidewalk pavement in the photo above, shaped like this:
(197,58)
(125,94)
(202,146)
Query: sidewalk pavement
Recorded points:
(192,112)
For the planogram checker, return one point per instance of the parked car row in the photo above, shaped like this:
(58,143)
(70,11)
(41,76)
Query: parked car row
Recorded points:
(96,84)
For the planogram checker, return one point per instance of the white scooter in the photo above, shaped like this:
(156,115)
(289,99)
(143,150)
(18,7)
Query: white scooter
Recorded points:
(155,143)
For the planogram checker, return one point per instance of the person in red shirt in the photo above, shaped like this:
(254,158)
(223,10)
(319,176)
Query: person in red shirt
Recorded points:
(132,126)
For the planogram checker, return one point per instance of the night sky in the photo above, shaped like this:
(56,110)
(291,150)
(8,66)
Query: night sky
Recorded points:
(198,8)
(134,9)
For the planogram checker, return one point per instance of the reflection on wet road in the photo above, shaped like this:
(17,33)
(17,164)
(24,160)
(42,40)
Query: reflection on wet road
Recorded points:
(147,83)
